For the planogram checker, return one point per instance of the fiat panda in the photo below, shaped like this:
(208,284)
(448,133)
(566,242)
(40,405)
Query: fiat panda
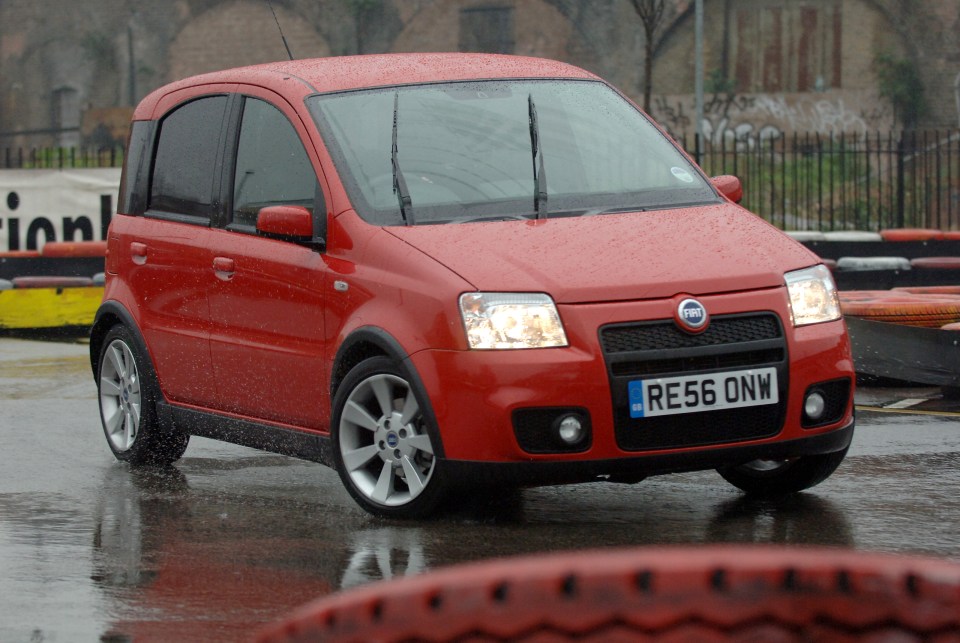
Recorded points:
(442,273)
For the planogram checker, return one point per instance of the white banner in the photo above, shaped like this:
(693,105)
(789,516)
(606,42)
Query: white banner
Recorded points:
(37,206)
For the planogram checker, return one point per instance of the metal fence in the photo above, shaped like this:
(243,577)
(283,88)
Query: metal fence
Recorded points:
(797,182)
(846,182)
(59,157)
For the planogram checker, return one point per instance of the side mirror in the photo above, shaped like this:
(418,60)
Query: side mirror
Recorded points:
(729,186)
(293,222)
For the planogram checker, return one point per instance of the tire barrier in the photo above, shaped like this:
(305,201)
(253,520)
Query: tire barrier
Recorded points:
(6,284)
(19,254)
(74,249)
(702,593)
(929,290)
(852,235)
(806,235)
(911,234)
(926,310)
(99,279)
(873,263)
(936,263)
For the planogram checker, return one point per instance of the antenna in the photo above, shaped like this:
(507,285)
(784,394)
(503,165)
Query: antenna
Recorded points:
(280,29)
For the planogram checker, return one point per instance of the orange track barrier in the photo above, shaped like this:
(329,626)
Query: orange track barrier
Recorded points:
(911,234)
(701,593)
(936,263)
(74,249)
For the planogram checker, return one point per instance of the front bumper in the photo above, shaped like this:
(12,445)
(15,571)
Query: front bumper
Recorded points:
(635,469)
(475,396)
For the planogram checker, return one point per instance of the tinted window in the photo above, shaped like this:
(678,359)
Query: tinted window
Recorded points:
(272,166)
(185,166)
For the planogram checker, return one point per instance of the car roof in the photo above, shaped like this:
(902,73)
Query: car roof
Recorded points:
(341,73)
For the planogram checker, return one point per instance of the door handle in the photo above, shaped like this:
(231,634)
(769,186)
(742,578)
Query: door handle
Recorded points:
(224,267)
(138,252)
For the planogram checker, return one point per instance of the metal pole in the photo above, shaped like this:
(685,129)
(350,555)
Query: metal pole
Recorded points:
(698,78)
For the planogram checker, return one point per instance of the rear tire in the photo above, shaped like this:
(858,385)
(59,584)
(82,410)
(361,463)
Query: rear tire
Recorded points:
(772,478)
(382,444)
(128,391)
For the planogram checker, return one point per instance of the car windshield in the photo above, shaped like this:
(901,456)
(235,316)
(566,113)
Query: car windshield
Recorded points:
(465,151)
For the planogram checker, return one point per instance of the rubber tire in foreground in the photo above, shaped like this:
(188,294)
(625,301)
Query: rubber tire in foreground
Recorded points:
(127,391)
(382,444)
(773,478)
(694,593)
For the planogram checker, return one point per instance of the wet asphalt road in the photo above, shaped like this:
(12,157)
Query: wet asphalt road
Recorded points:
(234,538)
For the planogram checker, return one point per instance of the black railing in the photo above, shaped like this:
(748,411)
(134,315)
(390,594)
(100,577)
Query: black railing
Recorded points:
(59,157)
(845,182)
(797,182)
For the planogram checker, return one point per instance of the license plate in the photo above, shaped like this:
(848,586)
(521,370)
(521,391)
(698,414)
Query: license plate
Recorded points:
(696,393)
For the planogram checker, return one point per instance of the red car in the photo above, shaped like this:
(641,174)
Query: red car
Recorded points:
(444,272)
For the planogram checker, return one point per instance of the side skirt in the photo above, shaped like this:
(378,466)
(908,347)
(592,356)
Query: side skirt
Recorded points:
(266,437)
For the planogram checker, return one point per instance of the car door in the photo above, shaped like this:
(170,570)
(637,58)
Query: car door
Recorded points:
(168,251)
(266,307)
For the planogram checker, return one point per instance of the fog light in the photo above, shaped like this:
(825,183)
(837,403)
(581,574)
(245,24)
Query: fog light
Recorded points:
(570,429)
(814,405)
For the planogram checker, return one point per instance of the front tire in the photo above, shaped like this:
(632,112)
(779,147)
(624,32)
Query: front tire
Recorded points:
(382,444)
(127,390)
(773,478)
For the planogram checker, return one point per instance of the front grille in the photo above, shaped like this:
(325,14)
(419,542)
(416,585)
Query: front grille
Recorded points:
(644,350)
(664,335)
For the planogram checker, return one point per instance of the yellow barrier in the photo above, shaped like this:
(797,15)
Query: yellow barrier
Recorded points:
(27,308)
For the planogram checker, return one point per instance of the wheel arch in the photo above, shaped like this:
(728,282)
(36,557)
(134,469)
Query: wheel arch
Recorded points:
(109,315)
(372,341)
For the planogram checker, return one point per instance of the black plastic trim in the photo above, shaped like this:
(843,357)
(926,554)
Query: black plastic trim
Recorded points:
(275,439)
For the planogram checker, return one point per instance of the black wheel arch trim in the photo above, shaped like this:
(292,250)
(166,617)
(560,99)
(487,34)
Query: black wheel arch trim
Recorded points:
(99,330)
(387,345)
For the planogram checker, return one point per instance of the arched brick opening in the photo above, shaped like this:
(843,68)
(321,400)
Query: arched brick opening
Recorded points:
(238,33)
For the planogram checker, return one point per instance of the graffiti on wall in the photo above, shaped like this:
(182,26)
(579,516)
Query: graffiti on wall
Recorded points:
(747,119)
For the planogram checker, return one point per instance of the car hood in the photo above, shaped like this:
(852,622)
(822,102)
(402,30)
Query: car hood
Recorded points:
(616,257)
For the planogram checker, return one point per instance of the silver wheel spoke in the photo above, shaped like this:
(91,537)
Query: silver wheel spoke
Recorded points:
(116,357)
(109,387)
(410,408)
(114,422)
(129,433)
(421,443)
(382,390)
(358,416)
(414,481)
(384,489)
(355,459)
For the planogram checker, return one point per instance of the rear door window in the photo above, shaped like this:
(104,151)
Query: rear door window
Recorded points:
(185,171)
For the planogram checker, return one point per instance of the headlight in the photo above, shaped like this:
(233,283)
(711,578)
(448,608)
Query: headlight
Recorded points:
(496,320)
(813,296)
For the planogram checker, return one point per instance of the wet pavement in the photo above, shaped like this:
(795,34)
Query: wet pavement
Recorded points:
(233,538)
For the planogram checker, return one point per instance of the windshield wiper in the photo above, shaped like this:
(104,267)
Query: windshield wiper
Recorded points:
(539,175)
(399,183)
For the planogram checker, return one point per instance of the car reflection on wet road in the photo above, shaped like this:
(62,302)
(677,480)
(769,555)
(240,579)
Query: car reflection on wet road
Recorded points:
(232,538)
